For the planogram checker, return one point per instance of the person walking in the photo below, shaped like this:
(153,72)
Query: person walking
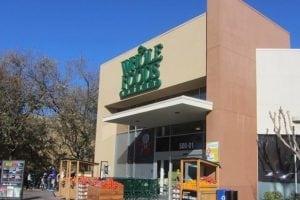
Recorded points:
(29,181)
(49,181)
(43,185)
(53,179)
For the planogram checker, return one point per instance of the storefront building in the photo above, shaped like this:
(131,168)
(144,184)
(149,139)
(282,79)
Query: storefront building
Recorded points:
(191,87)
(278,81)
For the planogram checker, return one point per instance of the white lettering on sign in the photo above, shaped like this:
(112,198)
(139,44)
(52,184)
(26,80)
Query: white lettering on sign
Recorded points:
(186,145)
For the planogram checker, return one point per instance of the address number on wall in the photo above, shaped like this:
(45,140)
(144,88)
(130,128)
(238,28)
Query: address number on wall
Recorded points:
(186,145)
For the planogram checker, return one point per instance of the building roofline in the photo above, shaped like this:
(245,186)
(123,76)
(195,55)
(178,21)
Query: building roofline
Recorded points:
(158,36)
(264,16)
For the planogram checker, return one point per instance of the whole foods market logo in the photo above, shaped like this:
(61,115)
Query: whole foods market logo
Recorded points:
(141,72)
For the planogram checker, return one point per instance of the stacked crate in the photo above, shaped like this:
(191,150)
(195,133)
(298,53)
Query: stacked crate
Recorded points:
(82,192)
(96,193)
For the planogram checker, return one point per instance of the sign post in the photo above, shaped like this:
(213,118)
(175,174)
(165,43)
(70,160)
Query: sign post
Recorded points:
(12,173)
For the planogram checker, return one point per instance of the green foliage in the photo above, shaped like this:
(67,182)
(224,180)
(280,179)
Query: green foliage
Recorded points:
(293,196)
(275,195)
(43,115)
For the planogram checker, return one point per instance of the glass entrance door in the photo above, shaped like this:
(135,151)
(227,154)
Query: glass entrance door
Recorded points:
(162,176)
(168,174)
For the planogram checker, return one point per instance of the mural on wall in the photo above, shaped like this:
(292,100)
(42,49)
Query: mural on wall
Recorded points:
(141,150)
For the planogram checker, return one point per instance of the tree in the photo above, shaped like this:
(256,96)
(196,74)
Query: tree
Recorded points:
(70,101)
(76,110)
(275,159)
(276,151)
(285,131)
(44,116)
(18,103)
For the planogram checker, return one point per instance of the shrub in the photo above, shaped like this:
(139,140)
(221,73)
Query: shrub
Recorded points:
(273,196)
(294,196)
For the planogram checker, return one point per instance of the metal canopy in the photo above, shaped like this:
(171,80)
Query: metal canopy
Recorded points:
(172,111)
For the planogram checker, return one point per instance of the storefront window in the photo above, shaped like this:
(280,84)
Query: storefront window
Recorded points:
(163,131)
(192,127)
(181,137)
(163,144)
(200,93)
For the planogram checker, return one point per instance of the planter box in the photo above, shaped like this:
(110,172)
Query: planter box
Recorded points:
(96,193)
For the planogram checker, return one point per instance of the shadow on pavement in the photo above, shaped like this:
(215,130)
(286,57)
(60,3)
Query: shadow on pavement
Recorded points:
(29,198)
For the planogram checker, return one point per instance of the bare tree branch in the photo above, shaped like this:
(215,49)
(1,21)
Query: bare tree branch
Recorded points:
(284,130)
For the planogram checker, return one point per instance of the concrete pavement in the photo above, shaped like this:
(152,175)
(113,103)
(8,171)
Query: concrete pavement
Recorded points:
(37,194)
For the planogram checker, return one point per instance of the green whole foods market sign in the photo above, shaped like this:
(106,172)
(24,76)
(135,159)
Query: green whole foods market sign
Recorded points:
(141,72)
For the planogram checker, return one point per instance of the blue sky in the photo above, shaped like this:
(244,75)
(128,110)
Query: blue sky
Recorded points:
(102,29)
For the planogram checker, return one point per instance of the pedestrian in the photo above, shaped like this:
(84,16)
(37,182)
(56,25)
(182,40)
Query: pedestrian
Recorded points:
(45,176)
(43,185)
(53,179)
(29,181)
(49,181)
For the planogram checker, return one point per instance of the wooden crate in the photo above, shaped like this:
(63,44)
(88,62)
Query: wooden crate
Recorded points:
(203,183)
(62,189)
(96,193)
(73,193)
(208,195)
(82,192)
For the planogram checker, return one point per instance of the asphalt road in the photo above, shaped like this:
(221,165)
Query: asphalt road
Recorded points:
(37,194)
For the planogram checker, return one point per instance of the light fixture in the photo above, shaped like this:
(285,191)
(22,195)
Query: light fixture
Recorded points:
(296,119)
(285,176)
(269,174)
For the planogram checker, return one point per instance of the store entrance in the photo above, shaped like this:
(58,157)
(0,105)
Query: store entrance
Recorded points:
(168,174)
(173,143)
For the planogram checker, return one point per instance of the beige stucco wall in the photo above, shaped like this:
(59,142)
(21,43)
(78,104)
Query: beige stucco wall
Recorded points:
(278,84)
(281,67)
(183,68)
(234,31)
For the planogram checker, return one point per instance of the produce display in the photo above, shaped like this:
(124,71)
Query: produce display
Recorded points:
(103,184)
(205,181)
(199,179)
(83,180)
(75,177)
(190,185)
(103,189)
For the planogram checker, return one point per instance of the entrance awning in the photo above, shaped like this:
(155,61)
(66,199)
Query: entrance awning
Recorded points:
(172,111)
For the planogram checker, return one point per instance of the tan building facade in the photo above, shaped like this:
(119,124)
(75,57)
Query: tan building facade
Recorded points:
(182,69)
(234,31)
(166,99)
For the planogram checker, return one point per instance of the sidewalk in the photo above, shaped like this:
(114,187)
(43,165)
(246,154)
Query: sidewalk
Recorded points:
(38,194)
